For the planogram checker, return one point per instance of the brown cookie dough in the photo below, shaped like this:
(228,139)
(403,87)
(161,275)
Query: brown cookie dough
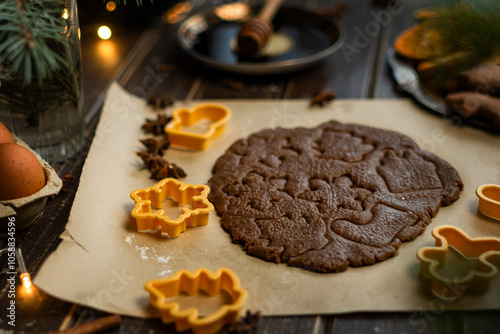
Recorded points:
(328,197)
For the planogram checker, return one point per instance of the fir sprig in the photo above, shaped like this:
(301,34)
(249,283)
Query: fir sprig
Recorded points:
(32,39)
(138,2)
(471,30)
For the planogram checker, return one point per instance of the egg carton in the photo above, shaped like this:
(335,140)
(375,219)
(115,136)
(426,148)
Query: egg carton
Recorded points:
(23,211)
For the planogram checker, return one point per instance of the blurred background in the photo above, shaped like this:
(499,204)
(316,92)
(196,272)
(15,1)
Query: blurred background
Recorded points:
(109,31)
(120,13)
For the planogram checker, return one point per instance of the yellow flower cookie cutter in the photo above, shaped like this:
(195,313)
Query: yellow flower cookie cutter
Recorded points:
(489,200)
(149,221)
(217,115)
(485,249)
(191,283)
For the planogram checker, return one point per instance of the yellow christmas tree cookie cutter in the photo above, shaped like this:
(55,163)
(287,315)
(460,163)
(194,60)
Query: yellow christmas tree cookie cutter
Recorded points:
(485,249)
(191,283)
(149,221)
(218,115)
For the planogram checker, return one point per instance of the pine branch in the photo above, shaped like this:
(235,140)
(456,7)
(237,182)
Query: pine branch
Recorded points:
(138,2)
(37,69)
(33,40)
(467,30)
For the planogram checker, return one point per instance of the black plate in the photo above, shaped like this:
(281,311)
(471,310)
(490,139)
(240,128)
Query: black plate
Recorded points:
(407,78)
(211,40)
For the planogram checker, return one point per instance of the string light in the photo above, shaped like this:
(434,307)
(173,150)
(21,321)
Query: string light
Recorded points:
(26,279)
(104,32)
(65,14)
(26,283)
(111,6)
(25,276)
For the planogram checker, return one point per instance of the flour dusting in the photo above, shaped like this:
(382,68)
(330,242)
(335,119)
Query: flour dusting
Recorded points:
(165,273)
(147,253)
(142,251)
(163,259)
(129,238)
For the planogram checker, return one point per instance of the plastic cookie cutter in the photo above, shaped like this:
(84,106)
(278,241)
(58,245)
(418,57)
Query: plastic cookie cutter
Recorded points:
(191,283)
(216,115)
(149,221)
(489,200)
(485,250)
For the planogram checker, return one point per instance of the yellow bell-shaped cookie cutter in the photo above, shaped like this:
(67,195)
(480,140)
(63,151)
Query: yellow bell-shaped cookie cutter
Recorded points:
(217,115)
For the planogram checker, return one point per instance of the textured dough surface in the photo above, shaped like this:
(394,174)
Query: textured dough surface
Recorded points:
(329,197)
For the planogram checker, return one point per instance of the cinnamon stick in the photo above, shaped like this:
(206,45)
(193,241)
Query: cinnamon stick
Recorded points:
(95,326)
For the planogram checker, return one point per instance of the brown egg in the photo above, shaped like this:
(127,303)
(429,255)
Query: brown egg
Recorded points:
(21,174)
(5,136)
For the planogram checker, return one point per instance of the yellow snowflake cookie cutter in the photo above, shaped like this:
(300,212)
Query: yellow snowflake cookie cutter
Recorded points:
(485,249)
(218,114)
(191,283)
(149,221)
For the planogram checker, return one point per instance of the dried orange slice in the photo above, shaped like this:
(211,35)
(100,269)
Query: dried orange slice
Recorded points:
(419,44)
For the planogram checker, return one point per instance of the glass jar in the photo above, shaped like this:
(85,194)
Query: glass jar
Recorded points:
(47,113)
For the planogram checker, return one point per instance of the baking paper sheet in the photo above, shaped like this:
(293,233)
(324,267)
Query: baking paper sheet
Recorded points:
(103,262)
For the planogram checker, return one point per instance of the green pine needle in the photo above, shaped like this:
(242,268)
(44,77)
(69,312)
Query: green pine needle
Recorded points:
(32,39)
(138,2)
(472,29)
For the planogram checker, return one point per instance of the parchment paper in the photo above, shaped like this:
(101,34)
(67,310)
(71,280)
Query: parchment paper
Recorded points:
(103,262)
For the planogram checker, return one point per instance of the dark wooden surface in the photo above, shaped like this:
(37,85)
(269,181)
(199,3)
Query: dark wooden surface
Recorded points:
(135,60)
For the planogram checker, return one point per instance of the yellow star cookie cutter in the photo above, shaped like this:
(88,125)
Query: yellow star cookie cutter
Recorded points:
(191,283)
(149,221)
(217,115)
(485,249)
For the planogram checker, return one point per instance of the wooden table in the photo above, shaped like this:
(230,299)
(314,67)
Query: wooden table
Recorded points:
(148,60)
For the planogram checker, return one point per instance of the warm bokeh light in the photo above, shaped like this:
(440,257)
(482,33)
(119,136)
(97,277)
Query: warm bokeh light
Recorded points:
(107,53)
(26,281)
(111,6)
(233,12)
(65,14)
(104,32)
(177,12)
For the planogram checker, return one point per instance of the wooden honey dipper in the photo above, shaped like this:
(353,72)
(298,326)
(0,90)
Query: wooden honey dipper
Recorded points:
(255,33)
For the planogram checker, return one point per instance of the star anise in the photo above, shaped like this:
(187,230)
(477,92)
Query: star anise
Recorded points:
(322,98)
(156,147)
(150,161)
(159,173)
(177,172)
(156,126)
(168,170)
(246,323)
(159,167)
(160,101)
